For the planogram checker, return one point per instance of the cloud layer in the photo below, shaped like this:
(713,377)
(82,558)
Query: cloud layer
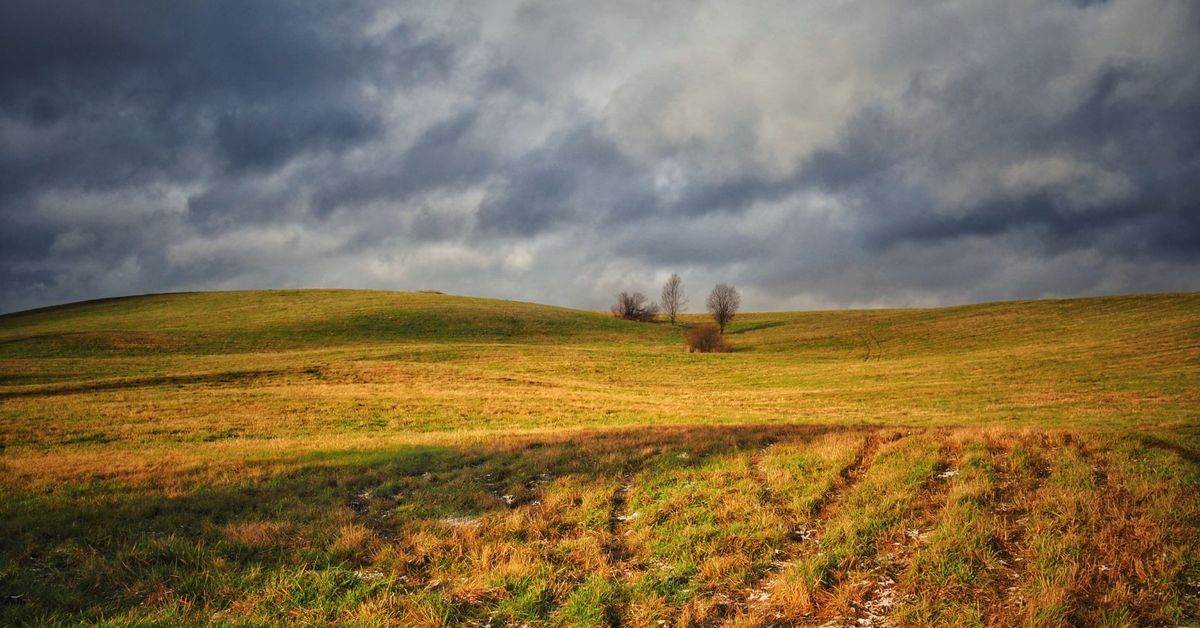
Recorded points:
(814,154)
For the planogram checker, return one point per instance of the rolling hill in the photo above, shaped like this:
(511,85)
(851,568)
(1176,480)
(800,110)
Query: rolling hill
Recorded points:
(415,458)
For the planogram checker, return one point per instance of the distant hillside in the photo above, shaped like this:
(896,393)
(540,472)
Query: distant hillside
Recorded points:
(457,361)
(222,322)
(218,322)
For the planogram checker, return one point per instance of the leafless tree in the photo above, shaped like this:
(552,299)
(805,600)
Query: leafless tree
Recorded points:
(723,304)
(672,297)
(633,307)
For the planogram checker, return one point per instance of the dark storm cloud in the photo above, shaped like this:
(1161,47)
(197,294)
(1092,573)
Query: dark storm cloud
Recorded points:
(579,175)
(100,98)
(261,138)
(444,154)
(1152,146)
(131,91)
(815,155)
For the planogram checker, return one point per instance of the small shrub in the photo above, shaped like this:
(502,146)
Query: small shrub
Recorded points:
(634,307)
(707,339)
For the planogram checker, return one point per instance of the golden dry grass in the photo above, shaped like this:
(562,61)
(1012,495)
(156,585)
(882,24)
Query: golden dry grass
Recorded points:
(417,459)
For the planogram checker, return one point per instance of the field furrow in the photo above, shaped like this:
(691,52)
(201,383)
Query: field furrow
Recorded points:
(422,460)
(1022,468)
(870,587)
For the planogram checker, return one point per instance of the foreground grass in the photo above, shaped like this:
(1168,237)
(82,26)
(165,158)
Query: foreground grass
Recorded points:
(417,459)
(529,530)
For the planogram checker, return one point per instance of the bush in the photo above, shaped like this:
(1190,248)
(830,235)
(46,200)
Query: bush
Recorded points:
(707,339)
(633,307)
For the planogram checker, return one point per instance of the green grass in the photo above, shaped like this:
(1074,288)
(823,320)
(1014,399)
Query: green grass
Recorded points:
(383,458)
(950,575)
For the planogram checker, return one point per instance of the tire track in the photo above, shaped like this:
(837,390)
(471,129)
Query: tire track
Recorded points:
(1014,494)
(805,537)
(880,596)
(1084,592)
(738,604)
(616,553)
(1115,517)
(768,498)
(759,475)
(850,475)
(872,347)
(615,548)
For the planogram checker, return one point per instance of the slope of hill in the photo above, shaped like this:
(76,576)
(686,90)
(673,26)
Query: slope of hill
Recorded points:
(414,458)
(223,322)
(1112,361)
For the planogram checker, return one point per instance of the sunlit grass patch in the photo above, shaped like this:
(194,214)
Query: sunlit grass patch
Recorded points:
(382,459)
(426,535)
(698,524)
(803,474)
(1060,518)
(1145,541)
(869,513)
(257,534)
(956,565)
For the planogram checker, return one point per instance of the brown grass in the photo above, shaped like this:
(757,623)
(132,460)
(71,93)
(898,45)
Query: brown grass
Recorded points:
(706,338)
(388,459)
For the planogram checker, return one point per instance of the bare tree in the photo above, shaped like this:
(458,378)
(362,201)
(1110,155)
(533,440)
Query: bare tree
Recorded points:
(672,297)
(723,304)
(633,307)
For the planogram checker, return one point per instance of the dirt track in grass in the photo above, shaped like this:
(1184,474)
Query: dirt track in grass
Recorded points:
(417,459)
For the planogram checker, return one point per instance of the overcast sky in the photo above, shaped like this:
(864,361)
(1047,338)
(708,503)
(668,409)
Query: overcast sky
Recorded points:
(815,154)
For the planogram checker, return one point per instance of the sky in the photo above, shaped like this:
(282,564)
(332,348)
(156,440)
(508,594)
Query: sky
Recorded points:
(819,154)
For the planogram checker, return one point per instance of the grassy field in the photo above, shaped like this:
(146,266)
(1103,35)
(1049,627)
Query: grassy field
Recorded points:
(380,458)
